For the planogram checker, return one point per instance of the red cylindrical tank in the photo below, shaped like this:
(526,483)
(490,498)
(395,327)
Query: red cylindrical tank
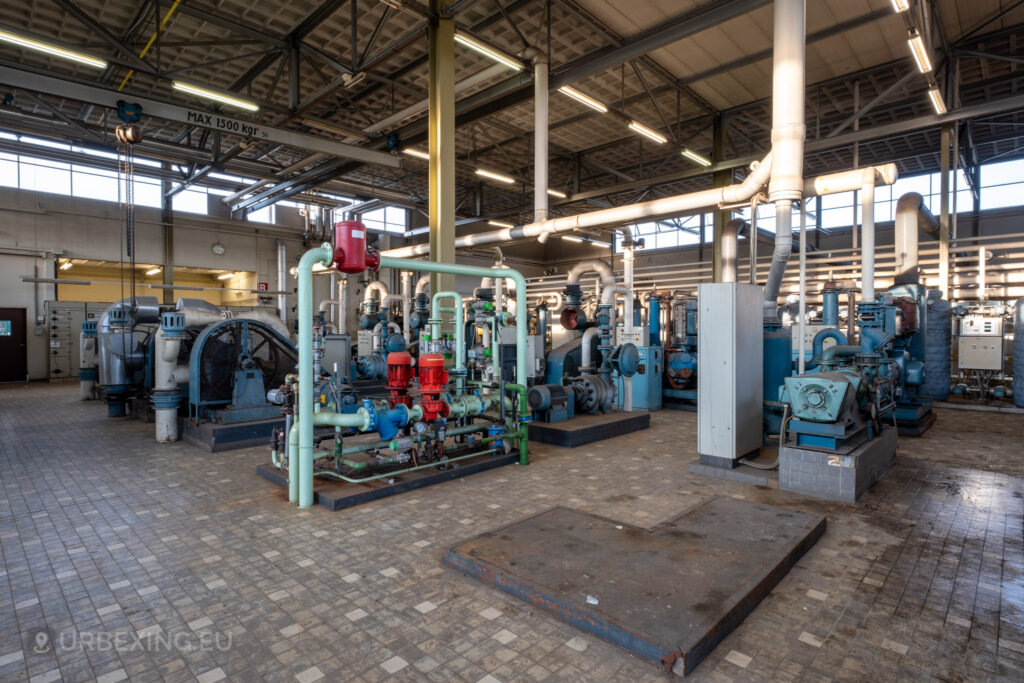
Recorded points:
(433,383)
(399,378)
(351,254)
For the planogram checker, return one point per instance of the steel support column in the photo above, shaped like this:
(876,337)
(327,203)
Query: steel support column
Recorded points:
(441,122)
(944,163)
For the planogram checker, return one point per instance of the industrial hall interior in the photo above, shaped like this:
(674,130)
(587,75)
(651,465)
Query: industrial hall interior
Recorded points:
(507,341)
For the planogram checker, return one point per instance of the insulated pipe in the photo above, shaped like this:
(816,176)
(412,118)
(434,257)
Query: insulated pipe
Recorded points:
(783,247)
(585,360)
(802,334)
(301,459)
(343,305)
(375,286)
(475,271)
(730,248)
(404,300)
(867,258)
(982,286)
(406,306)
(911,214)
(265,317)
(282,281)
(460,325)
(603,270)
(422,285)
(540,138)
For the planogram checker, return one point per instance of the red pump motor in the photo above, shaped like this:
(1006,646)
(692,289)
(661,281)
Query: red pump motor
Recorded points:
(399,378)
(433,383)
(351,254)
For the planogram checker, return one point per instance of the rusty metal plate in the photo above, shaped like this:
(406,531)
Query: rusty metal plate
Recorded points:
(668,594)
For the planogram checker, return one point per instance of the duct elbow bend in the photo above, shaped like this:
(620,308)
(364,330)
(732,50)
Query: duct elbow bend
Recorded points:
(595,265)
(375,286)
(608,293)
(422,285)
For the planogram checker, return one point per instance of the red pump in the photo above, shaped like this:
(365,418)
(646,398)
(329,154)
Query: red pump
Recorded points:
(351,254)
(433,383)
(399,378)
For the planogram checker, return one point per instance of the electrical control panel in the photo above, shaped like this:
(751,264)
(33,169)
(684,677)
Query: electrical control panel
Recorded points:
(981,326)
(364,343)
(810,331)
(981,352)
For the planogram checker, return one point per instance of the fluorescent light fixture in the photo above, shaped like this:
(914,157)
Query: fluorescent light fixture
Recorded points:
(216,96)
(585,99)
(919,52)
(501,224)
(51,49)
(225,276)
(695,157)
(556,193)
(937,103)
(572,238)
(593,243)
(900,5)
(598,243)
(416,153)
(647,132)
(349,80)
(66,265)
(488,51)
(154,271)
(495,176)
(337,130)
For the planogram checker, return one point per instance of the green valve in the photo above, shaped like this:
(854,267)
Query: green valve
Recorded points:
(488,306)
(426,337)
(488,353)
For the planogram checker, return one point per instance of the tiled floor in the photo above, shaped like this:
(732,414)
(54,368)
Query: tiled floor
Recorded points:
(127,559)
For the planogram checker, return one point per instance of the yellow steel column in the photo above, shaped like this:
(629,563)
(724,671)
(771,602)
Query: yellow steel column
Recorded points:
(442,144)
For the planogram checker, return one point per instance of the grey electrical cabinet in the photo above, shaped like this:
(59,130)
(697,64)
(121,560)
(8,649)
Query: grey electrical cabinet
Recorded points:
(730,379)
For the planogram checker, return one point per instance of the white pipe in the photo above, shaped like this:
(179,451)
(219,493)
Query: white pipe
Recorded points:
(788,74)
(282,281)
(585,363)
(406,306)
(404,300)
(540,138)
(375,286)
(630,213)
(265,317)
(603,270)
(867,286)
(982,289)
(343,305)
(911,214)
(802,344)
(422,285)
(730,248)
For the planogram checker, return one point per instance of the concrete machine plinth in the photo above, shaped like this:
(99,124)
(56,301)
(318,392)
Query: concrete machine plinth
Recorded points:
(668,594)
(584,429)
(842,477)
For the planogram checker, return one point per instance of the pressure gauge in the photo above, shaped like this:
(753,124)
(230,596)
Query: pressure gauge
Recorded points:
(420,427)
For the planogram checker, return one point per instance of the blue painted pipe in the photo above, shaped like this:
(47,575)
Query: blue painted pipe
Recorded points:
(654,320)
(819,342)
(830,308)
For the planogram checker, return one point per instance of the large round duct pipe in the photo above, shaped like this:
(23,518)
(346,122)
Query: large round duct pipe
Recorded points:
(540,137)
(603,270)
(730,248)
(911,214)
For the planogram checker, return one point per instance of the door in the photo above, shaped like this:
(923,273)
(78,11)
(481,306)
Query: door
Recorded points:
(13,349)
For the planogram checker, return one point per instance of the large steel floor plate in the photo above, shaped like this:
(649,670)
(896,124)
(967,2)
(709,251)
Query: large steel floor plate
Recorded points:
(668,594)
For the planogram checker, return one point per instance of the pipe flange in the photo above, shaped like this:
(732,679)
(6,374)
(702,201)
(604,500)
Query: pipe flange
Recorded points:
(166,399)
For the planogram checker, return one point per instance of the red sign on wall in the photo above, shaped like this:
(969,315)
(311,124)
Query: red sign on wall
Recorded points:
(263,287)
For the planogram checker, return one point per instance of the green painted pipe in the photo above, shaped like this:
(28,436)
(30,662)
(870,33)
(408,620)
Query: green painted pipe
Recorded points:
(360,480)
(360,420)
(477,272)
(300,464)
(524,456)
(460,325)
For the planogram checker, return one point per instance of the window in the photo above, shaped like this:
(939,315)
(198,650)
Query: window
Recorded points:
(386,219)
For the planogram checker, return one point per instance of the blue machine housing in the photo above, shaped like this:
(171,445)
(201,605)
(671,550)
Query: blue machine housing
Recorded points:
(232,365)
(565,360)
